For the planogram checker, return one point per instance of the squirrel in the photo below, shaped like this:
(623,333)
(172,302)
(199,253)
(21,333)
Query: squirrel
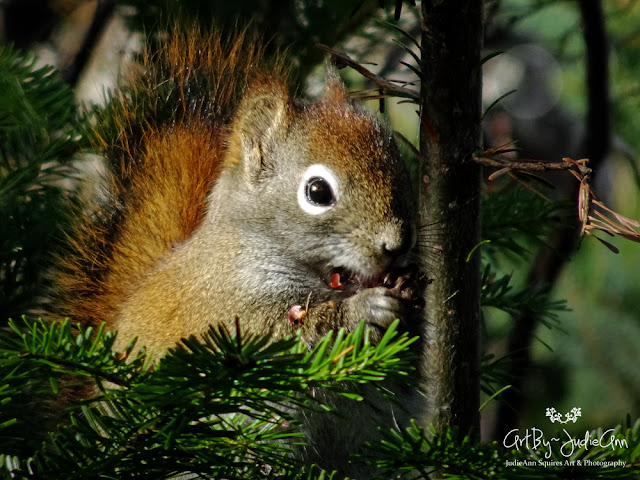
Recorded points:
(227,199)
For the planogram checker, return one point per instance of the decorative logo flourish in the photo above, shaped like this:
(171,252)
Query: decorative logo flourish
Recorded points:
(571,416)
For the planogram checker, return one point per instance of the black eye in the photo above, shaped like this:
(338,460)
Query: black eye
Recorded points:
(319,192)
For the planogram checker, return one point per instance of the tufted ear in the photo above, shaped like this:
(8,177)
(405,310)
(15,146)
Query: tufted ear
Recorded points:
(263,117)
(335,91)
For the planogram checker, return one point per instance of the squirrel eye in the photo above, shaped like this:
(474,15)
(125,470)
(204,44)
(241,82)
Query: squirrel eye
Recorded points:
(319,192)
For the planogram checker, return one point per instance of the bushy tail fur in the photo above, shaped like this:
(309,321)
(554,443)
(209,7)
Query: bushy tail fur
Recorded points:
(163,139)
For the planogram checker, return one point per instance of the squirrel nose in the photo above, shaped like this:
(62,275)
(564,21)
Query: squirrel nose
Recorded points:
(397,239)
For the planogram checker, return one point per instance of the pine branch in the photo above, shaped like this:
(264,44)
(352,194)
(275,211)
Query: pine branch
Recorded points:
(219,406)
(422,453)
(59,348)
(514,220)
(39,137)
(499,293)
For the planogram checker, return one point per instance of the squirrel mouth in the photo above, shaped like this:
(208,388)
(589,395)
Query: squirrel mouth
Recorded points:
(352,282)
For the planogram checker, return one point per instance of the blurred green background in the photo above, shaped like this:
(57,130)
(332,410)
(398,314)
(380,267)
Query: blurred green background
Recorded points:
(593,361)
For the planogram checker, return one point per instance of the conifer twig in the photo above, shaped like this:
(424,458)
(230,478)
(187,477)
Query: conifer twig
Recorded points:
(592,213)
(341,60)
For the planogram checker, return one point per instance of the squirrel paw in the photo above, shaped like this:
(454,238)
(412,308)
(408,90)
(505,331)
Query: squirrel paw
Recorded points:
(397,295)
(408,285)
(400,296)
(378,306)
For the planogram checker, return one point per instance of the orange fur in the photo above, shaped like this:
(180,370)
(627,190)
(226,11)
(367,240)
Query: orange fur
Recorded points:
(160,169)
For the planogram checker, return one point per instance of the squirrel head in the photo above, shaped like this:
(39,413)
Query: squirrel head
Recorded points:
(321,180)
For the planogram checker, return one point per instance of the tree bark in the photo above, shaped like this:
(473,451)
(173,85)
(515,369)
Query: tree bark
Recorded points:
(450,194)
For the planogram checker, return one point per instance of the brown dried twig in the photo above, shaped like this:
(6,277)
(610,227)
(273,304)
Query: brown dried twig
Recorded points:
(487,159)
(593,214)
(341,60)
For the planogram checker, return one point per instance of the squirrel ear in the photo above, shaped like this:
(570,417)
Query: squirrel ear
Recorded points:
(264,115)
(335,91)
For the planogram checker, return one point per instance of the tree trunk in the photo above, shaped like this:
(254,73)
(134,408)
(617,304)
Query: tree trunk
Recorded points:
(449,134)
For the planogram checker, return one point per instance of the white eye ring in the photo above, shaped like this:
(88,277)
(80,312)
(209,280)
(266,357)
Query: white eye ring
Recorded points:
(322,174)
